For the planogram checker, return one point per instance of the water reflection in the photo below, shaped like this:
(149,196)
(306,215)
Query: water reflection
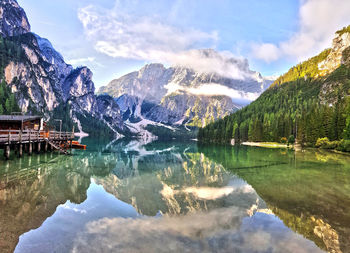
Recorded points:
(180,182)
(31,188)
(171,197)
(310,193)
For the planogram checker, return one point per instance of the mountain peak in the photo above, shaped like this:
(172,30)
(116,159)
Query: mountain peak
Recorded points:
(334,59)
(13,19)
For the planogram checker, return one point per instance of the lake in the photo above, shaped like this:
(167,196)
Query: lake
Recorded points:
(175,197)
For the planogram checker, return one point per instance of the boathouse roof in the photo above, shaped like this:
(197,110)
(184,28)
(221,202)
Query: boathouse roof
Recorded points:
(12,118)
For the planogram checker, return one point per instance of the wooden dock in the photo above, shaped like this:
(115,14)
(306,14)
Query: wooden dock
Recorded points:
(37,141)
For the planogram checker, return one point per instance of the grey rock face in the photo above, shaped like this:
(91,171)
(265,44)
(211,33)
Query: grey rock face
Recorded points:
(130,107)
(109,111)
(181,108)
(335,57)
(148,83)
(13,19)
(78,83)
(339,55)
(56,64)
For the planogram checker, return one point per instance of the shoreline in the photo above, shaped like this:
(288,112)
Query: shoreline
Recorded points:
(279,145)
(266,144)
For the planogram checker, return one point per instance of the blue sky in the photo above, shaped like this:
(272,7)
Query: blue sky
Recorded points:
(113,37)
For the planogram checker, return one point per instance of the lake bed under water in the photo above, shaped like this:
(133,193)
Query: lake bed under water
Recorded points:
(175,197)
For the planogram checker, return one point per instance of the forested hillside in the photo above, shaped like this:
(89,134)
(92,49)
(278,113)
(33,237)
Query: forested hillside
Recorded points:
(308,102)
(8,50)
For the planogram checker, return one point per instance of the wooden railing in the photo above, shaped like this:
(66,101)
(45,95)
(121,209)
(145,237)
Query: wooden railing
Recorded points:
(18,136)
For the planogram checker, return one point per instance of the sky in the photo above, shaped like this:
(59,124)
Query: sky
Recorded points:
(115,37)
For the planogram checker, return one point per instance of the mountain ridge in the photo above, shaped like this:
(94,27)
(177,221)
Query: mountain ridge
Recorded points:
(176,92)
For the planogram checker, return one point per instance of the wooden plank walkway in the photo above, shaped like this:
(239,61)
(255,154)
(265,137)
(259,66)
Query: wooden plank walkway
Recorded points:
(25,136)
(16,139)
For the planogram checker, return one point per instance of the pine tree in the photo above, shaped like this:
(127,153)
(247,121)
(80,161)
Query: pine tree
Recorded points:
(8,106)
(346,133)
(2,92)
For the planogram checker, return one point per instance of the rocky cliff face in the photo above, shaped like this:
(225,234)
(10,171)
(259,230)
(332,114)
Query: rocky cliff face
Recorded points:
(335,57)
(337,61)
(13,20)
(147,83)
(40,78)
(179,95)
(180,108)
(109,111)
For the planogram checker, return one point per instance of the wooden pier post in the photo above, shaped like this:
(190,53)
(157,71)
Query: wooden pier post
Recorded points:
(39,147)
(30,148)
(46,146)
(7,152)
(20,146)
(20,150)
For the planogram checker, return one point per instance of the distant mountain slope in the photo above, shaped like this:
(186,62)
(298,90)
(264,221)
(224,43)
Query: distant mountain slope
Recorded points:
(310,101)
(182,96)
(43,83)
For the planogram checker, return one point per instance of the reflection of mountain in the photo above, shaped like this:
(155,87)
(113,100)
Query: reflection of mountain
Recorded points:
(175,182)
(32,188)
(308,194)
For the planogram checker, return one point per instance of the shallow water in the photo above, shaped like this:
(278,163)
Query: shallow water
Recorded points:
(171,197)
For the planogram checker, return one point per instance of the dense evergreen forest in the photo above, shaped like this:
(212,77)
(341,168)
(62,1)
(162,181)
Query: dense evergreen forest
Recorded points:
(9,49)
(296,106)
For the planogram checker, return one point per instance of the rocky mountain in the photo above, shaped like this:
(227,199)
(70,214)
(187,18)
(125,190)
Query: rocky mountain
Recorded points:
(43,83)
(309,102)
(13,20)
(180,95)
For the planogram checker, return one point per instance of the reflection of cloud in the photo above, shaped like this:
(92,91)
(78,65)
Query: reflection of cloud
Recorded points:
(222,230)
(67,206)
(206,193)
(209,193)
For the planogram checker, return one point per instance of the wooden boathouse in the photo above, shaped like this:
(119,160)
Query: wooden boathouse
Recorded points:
(30,133)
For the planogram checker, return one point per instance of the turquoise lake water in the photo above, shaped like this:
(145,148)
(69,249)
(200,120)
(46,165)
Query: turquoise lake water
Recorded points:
(175,197)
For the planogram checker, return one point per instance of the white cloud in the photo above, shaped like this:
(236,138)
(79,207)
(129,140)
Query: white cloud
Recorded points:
(122,35)
(81,60)
(85,61)
(212,89)
(119,34)
(319,19)
(266,51)
(210,61)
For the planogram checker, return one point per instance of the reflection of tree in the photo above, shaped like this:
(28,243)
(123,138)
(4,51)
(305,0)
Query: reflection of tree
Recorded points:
(31,188)
(309,191)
